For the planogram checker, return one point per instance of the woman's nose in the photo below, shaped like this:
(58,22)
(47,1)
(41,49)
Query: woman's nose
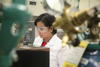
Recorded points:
(40,32)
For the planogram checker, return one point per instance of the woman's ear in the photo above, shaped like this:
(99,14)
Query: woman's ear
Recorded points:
(51,29)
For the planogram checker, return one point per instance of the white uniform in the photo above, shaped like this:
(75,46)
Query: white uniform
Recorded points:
(55,44)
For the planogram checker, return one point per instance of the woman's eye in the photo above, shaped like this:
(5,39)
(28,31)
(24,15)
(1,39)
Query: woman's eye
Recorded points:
(41,29)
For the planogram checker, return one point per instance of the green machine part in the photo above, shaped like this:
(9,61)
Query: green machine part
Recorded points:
(94,46)
(13,23)
(91,45)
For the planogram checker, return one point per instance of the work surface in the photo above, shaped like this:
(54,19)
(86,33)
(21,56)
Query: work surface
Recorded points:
(32,57)
(33,48)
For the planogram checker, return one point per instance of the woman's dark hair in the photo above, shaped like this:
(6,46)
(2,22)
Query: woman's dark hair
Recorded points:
(47,20)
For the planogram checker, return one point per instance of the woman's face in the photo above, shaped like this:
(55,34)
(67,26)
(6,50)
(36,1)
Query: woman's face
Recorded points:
(44,31)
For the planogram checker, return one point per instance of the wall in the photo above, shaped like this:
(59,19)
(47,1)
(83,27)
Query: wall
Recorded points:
(35,9)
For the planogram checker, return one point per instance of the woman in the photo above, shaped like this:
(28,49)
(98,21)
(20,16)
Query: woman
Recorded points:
(48,36)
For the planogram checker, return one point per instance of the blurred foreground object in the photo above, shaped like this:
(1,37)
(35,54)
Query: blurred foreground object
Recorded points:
(74,23)
(13,23)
